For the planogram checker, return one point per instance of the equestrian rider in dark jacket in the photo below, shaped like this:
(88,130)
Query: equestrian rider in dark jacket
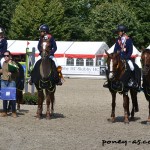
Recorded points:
(44,34)
(125,46)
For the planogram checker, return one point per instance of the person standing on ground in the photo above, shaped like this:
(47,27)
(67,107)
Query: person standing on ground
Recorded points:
(8,79)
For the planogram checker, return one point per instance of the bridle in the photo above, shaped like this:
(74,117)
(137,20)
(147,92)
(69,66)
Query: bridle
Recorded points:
(115,69)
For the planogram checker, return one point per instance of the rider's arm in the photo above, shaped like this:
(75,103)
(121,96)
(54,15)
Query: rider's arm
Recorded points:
(39,45)
(129,49)
(53,46)
(117,47)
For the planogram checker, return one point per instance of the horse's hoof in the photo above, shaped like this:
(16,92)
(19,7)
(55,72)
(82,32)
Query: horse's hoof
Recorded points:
(48,118)
(112,120)
(52,112)
(132,118)
(126,122)
(37,118)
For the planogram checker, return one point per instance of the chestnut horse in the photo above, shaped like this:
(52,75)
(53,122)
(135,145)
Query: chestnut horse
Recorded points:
(145,61)
(116,67)
(44,75)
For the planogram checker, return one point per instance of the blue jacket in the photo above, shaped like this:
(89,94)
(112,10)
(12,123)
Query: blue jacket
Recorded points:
(3,46)
(128,48)
(53,47)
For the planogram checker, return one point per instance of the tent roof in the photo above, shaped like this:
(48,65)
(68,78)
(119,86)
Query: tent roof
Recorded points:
(134,53)
(86,49)
(62,47)
(148,47)
(18,47)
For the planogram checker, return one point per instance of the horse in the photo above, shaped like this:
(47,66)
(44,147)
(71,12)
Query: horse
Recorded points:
(116,68)
(45,76)
(145,62)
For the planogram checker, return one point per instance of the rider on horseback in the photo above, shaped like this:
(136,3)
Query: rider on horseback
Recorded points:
(3,45)
(125,47)
(44,34)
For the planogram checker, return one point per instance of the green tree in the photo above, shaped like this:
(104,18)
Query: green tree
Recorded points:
(104,19)
(7,8)
(29,15)
(142,11)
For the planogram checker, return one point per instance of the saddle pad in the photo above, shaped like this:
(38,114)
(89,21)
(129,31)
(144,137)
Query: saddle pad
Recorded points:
(8,93)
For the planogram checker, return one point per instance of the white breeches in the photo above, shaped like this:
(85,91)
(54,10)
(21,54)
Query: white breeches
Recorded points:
(131,65)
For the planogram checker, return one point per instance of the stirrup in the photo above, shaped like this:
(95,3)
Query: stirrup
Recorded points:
(106,85)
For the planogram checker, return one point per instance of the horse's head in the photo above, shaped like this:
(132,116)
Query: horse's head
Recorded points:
(145,61)
(114,65)
(45,52)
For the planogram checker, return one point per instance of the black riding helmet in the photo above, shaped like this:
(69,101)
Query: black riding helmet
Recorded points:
(121,28)
(44,28)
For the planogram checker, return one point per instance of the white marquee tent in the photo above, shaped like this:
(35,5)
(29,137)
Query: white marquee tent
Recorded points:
(148,47)
(65,50)
(86,49)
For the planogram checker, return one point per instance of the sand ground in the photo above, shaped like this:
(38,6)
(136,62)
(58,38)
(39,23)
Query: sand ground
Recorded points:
(82,108)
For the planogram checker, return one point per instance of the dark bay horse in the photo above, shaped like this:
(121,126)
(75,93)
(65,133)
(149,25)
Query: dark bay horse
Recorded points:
(145,61)
(116,68)
(44,75)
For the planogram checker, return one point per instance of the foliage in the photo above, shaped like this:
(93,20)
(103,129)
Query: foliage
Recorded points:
(6,12)
(107,16)
(29,15)
(76,20)
(30,99)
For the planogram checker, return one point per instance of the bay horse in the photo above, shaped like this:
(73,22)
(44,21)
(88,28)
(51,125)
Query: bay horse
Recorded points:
(44,75)
(116,68)
(145,62)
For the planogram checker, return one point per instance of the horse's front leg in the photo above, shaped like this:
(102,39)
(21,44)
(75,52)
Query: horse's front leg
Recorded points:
(113,106)
(135,107)
(40,104)
(48,100)
(148,120)
(18,106)
(126,107)
(52,97)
